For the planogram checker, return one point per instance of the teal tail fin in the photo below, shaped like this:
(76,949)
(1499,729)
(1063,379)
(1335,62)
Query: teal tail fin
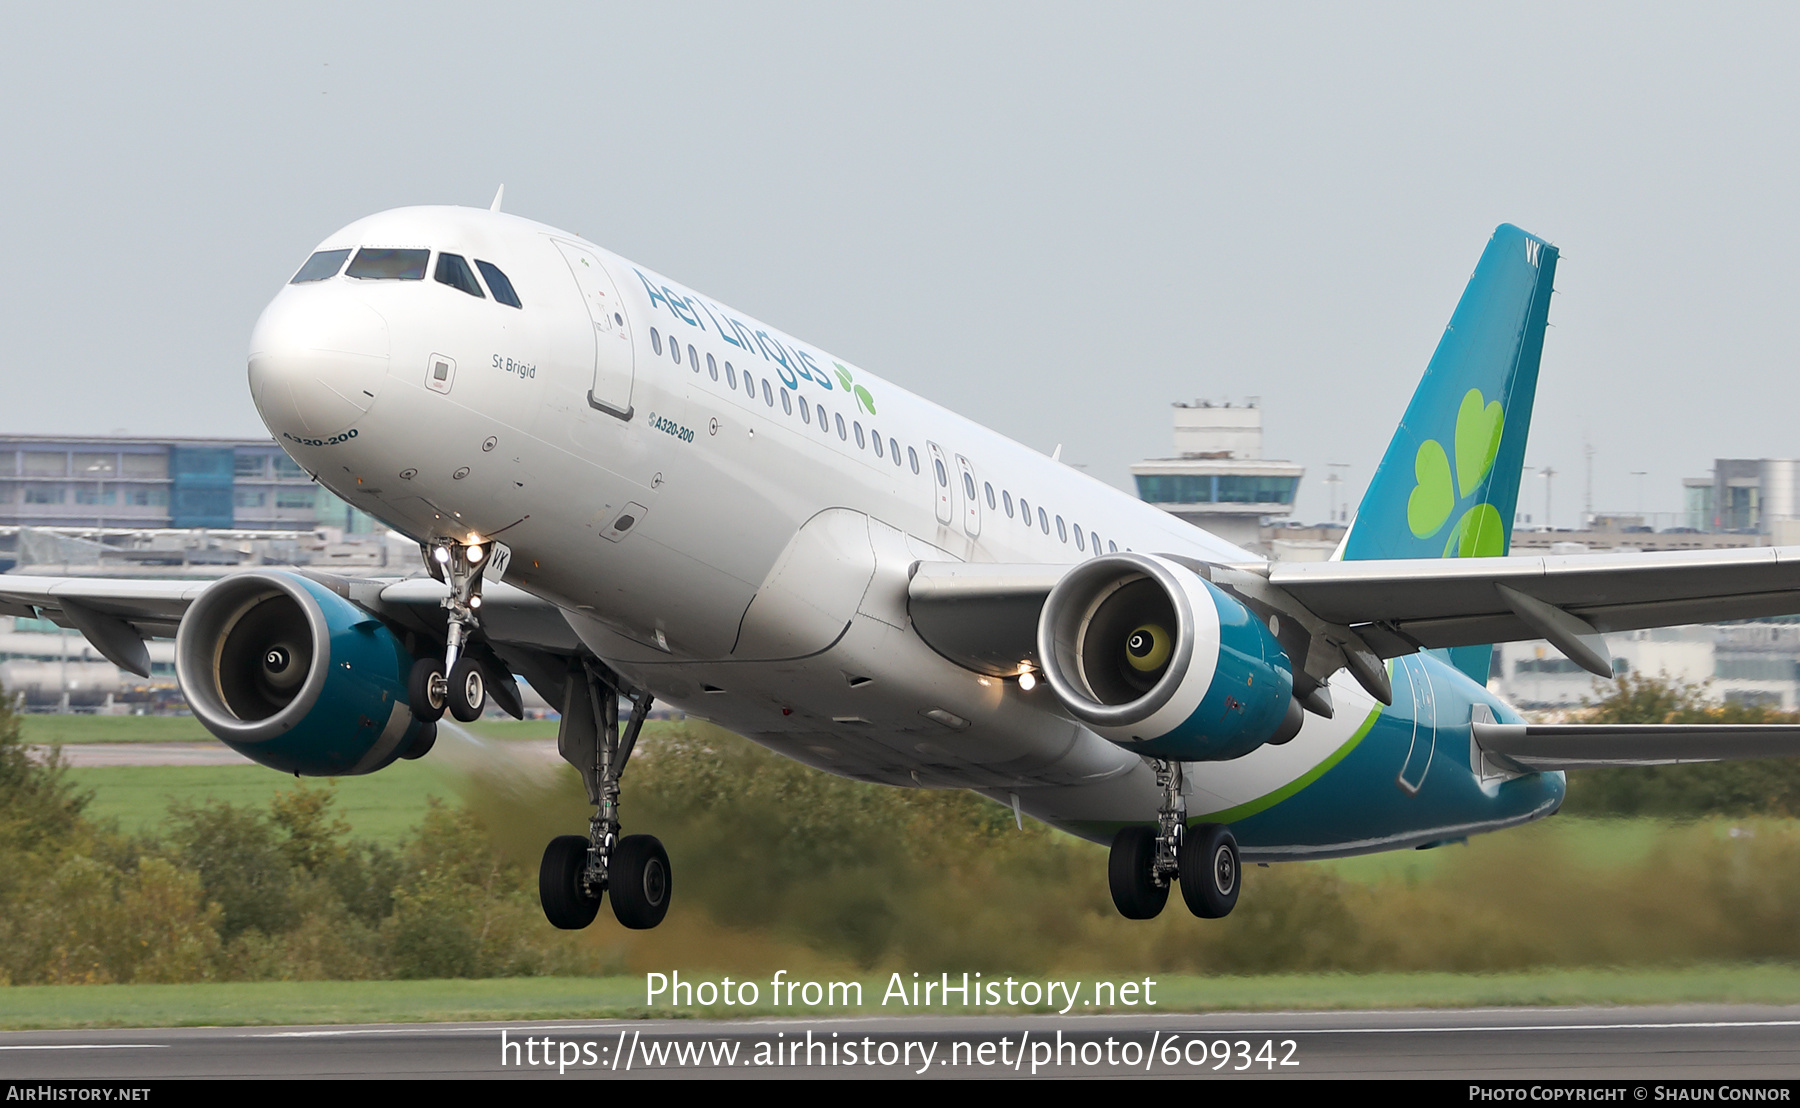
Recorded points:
(1448,486)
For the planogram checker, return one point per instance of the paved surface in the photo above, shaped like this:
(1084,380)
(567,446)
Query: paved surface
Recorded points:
(147,754)
(218,754)
(1633,1046)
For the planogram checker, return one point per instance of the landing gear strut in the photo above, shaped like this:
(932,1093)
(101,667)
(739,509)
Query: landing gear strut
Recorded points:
(577,871)
(1204,858)
(456,684)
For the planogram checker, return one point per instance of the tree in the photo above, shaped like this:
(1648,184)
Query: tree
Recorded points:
(1769,786)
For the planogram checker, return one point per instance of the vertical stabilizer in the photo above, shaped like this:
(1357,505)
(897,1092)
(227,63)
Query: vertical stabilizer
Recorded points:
(1448,485)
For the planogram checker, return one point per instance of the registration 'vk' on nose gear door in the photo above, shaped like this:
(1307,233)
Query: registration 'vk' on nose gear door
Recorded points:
(611,391)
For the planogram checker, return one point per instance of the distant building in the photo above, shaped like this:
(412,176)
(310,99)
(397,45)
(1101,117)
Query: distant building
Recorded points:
(1218,478)
(1747,495)
(1739,663)
(119,482)
(120,490)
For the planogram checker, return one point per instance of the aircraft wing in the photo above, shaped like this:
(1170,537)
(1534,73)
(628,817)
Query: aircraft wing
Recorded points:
(1536,747)
(985,616)
(117,615)
(1402,606)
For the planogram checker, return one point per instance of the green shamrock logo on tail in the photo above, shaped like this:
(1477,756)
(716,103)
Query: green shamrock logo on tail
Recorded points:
(1480,532)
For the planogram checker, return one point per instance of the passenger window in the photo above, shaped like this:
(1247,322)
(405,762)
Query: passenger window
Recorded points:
(320,266)
(1025,510)
(656,342)
(894,449)
(805,412)
(1112,547)
(693,359)
(876,435)
(860,445)
(674,350)
(824,422)
(1043,521)
(988,487)
(730,377)
(768,397)
(750,384)
(453,271)
(1079,545)
(968,486)
(1006,499)
(712,367)
(842,433)
(1094,541)
(913,457)
(498,284)
(382,264)
(943,477)
(1061,531)
(787,403)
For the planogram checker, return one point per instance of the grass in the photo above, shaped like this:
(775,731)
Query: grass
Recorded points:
(535,998)
(385,807)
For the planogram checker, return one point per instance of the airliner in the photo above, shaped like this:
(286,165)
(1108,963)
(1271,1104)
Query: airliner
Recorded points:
(629,493)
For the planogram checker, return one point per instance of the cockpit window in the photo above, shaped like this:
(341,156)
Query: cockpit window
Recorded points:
(498,284)
(320,266)
(375,263)
(453,271)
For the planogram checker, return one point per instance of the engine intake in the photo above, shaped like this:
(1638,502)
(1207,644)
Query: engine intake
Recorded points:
(1159,660)
(293,676)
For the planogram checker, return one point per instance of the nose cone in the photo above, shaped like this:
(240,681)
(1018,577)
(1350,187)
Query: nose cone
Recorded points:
(318,358)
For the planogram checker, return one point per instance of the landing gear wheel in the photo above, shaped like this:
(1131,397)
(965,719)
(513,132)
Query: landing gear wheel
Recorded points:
(1210,871)
(639,882)
(1131,873)
(423,741)
(567,902)
(467,694)
(423,687)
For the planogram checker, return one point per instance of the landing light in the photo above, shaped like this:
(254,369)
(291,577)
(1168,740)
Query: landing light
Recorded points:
(1028,680)
(442,554)
(476,553)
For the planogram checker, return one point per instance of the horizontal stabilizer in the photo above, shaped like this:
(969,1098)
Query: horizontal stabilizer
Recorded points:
(1537,747)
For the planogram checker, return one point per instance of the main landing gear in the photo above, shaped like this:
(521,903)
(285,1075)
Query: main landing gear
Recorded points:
(578,870)
(1204,858)
(457,684)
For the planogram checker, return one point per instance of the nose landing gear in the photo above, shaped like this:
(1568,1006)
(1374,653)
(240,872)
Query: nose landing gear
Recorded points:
(1204,858)
(576,872)
(457,684)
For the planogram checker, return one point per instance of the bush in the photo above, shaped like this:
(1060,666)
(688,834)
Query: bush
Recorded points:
(1768,786)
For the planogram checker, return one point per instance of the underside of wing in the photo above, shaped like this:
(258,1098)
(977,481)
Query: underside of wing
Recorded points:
(1402,606)
(117,615)
(982,616)
(1538,747)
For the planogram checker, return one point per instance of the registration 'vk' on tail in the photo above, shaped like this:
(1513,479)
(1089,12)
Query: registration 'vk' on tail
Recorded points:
(1448,486)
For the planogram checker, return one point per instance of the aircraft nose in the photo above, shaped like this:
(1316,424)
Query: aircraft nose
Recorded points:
(318,357)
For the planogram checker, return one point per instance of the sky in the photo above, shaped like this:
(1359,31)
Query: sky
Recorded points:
(1053,218)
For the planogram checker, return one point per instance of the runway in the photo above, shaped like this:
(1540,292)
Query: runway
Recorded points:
(1629,1045)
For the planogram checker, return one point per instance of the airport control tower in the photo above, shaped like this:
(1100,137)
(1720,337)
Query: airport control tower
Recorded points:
(1218,478)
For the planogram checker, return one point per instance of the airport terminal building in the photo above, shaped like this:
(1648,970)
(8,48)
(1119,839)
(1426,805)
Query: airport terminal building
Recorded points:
(145,483)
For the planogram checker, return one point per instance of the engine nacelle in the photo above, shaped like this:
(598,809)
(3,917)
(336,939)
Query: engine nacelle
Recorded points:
(1159,660)
(293,676)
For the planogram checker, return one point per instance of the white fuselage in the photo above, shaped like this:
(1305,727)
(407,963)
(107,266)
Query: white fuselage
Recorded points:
(740,543)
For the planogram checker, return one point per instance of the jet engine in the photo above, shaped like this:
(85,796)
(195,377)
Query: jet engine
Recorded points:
(293,676)
(1159,660)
